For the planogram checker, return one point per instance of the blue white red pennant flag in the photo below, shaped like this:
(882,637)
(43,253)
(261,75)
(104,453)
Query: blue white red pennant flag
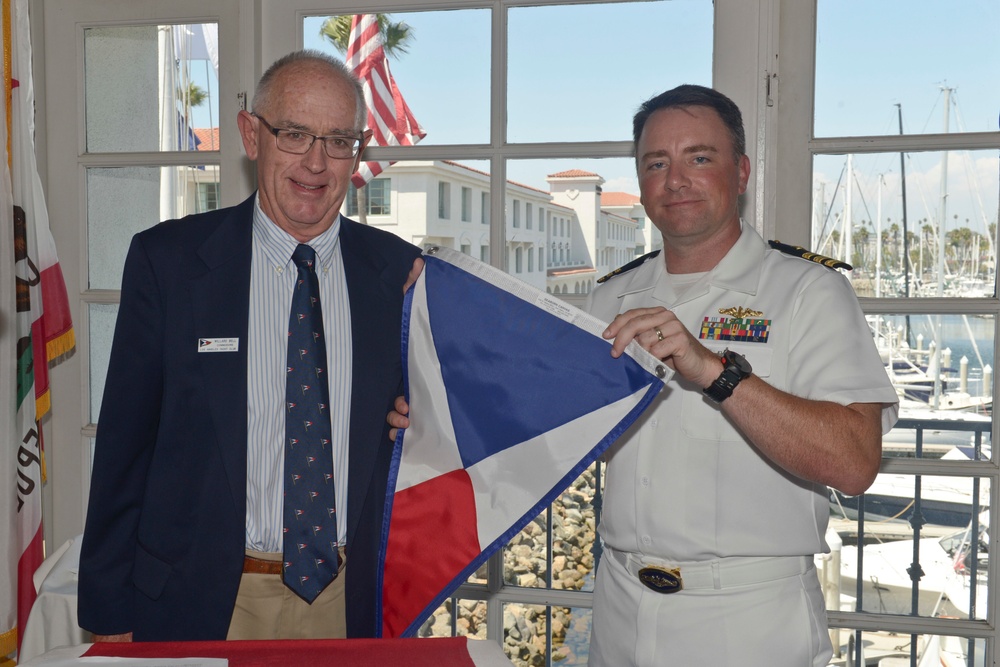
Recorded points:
(513,394)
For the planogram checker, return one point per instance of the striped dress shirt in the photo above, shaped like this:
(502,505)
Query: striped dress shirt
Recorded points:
(272,280)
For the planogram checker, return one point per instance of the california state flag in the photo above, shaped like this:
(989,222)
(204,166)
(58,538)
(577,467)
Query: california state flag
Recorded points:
(35,328)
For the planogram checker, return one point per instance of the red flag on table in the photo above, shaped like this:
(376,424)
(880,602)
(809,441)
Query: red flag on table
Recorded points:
(40,330)
(391,121)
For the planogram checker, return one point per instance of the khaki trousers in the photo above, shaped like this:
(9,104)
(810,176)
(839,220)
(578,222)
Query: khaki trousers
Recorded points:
(267,609)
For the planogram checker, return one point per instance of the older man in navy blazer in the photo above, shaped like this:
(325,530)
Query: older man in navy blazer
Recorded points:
(181,540)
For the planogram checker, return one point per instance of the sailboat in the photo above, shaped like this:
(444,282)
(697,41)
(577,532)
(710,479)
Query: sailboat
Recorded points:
(950,585)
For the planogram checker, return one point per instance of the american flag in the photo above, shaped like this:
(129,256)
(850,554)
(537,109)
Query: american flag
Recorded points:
(391,121)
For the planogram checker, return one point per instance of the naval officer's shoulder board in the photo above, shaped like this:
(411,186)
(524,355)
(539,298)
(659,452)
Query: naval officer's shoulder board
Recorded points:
(638,261)
(799,251)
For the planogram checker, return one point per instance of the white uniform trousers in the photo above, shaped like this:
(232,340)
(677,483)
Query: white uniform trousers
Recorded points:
(772,622)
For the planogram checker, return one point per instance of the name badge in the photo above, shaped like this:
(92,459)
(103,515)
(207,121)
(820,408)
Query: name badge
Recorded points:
(218,344)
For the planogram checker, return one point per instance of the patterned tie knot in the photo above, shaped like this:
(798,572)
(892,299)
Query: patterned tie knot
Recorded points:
(304,256)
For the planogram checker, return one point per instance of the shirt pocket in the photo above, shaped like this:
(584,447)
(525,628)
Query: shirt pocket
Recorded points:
(701,418)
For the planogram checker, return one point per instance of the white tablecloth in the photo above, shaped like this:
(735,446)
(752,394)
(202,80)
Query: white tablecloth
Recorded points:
(52,621)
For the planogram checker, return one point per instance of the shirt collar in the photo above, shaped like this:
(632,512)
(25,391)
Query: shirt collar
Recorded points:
(278,245)
(738,271)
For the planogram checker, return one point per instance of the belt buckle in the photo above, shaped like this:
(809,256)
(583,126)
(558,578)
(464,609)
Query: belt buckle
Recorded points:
(661,579)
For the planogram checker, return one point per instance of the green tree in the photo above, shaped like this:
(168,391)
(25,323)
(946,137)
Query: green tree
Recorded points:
(396,35)
(194,96)
(861,253)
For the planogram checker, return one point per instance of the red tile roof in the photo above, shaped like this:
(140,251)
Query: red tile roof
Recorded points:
(560,273)
(209,138)
(477,171)
(619,199)
(573,173)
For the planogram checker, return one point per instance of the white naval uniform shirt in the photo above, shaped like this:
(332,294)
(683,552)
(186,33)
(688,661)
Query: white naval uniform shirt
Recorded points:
(683,483)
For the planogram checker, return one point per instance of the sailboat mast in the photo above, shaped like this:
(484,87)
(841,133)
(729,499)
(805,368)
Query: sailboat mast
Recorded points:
(906,242)
(848,219)
(878,239)
(944,197)
(940,268)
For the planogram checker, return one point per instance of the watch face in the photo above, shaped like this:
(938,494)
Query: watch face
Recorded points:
(741,363)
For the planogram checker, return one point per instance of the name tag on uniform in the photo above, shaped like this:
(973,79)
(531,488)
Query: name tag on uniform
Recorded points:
(218,344)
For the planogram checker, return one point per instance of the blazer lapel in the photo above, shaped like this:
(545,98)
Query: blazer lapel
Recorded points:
(221,305)
(375,312)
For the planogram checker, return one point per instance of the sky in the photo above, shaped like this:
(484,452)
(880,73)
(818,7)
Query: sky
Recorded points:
(568,84)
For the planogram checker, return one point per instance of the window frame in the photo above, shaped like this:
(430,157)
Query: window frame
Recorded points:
(775,94)
(57,28)
(791,151)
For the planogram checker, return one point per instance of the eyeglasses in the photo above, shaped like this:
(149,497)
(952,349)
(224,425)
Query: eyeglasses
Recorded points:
(337,146)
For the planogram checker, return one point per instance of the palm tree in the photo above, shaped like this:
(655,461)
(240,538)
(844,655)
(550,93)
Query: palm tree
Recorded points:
(860,253)
(396,38)
(194,96)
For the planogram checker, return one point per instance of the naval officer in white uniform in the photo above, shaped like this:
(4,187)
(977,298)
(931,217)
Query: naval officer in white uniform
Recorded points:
(716,498)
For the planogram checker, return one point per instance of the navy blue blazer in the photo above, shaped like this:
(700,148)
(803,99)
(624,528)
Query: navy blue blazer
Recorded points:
(163,547)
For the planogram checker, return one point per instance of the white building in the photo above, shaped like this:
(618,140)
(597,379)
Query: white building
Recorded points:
(627,205)
(560,241)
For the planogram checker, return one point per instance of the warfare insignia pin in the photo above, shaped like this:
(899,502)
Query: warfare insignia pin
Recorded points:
(661,579)
(739,312)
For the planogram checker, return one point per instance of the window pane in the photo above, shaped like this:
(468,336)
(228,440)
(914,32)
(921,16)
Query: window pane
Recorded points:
(953,560)
(848,221)
(124,200)
(555,60)
(466,204)
(570,636)
(960,347)
(414,199)
(525,633)
(891,649)
(102,319)
(378,197)
(149,87)
(573,522)
(429,196)
(864,70)
(444,200)
(374,197)
(927,433)
(456,618)
(461,40)
(591,207)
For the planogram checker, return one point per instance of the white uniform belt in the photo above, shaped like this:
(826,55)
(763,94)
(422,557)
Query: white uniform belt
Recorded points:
(718,573)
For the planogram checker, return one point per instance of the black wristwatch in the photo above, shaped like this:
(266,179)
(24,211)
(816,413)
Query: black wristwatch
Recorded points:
(737,368)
